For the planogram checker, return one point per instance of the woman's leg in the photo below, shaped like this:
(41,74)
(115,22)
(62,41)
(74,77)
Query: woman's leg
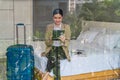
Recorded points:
(50,63)
(56,69)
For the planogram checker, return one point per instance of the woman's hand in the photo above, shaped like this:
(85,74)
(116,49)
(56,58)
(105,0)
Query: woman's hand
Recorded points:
(62,38)
(43,54)
(69,60)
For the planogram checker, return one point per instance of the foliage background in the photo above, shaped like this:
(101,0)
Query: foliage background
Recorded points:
(105,11)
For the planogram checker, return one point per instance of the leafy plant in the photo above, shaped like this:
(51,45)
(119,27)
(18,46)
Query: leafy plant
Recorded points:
(75,24)
(38,35)
(107,10)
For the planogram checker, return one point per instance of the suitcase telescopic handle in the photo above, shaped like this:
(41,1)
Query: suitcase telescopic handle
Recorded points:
(17,37)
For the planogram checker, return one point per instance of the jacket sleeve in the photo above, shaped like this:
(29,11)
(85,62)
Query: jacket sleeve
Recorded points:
(67,35)
(48,37)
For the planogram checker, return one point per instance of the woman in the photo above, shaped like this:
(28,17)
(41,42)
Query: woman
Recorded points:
(56,43)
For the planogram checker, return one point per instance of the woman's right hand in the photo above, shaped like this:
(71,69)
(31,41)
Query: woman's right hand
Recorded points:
(43,54)
(69,60)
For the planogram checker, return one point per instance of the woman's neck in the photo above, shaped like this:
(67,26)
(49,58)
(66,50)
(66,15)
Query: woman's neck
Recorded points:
(57,25)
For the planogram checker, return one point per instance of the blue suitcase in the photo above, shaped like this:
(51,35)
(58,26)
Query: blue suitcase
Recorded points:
(20,60)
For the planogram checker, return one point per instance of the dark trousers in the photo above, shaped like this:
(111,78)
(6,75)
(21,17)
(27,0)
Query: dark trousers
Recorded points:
(54,57)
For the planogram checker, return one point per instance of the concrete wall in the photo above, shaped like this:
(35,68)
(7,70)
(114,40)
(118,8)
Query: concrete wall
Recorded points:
(11,13)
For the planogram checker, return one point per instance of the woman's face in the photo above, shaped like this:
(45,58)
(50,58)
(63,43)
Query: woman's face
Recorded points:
(57,18)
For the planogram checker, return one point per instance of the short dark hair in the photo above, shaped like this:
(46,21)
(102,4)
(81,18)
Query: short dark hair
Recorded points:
(58,11)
